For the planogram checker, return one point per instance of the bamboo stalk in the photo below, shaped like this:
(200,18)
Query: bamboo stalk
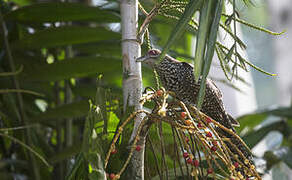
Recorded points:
(132,77)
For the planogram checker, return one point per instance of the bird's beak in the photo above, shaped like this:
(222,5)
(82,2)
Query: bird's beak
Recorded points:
(141,59)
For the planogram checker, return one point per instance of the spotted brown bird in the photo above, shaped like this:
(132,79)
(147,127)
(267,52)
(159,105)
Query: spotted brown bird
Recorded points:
(178,77)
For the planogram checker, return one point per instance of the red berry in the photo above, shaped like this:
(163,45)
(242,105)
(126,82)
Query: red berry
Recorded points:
(112,176)
(138,148)
(209,134)
(183,115)
(210,171)
(208,120)
(185,154)
(215,143)
(196,163)
(199,125)
(236,164)
(107,175)
(159,92)
(189,161)
(187,139)
(214,148)
(114,151)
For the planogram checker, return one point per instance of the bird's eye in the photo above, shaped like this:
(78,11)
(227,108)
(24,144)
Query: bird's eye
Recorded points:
(153,52)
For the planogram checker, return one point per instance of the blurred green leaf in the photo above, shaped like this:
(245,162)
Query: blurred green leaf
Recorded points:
(22,2)
(7,176)
(73,110)
(255,136)
(280,111)
(6,163)
(282,154)
(104,48)
(113,122)
(65,35)
(78,170)
(91,146)
(66,153)
(190,9)
(168,24)
(68,68)
(59,11)
(90,90)
(251,120)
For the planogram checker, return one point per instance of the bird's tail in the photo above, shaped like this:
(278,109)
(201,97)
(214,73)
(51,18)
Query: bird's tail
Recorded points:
(235,145)
(235,140)
(233,121)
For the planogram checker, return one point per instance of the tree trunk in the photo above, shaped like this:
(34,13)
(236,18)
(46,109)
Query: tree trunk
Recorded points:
(132,78)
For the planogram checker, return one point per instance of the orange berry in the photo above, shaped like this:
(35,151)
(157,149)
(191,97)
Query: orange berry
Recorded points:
(188,122)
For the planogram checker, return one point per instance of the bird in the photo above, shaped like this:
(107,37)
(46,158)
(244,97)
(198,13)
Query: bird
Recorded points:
(178,77)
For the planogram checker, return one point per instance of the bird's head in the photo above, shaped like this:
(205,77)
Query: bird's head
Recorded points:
(150,58)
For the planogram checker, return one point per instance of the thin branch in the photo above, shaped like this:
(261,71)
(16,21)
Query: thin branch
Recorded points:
(12,73)
(256,27)
(20,91)
(162,150)
(27,147)
(155,157)
(18,128)
(176,149)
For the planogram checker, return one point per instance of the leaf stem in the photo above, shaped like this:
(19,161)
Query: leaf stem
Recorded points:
(210,52)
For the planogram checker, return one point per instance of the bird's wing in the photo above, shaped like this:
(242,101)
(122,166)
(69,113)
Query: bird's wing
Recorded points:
(189,72)
(218,93)
(211,83)
(188,65)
